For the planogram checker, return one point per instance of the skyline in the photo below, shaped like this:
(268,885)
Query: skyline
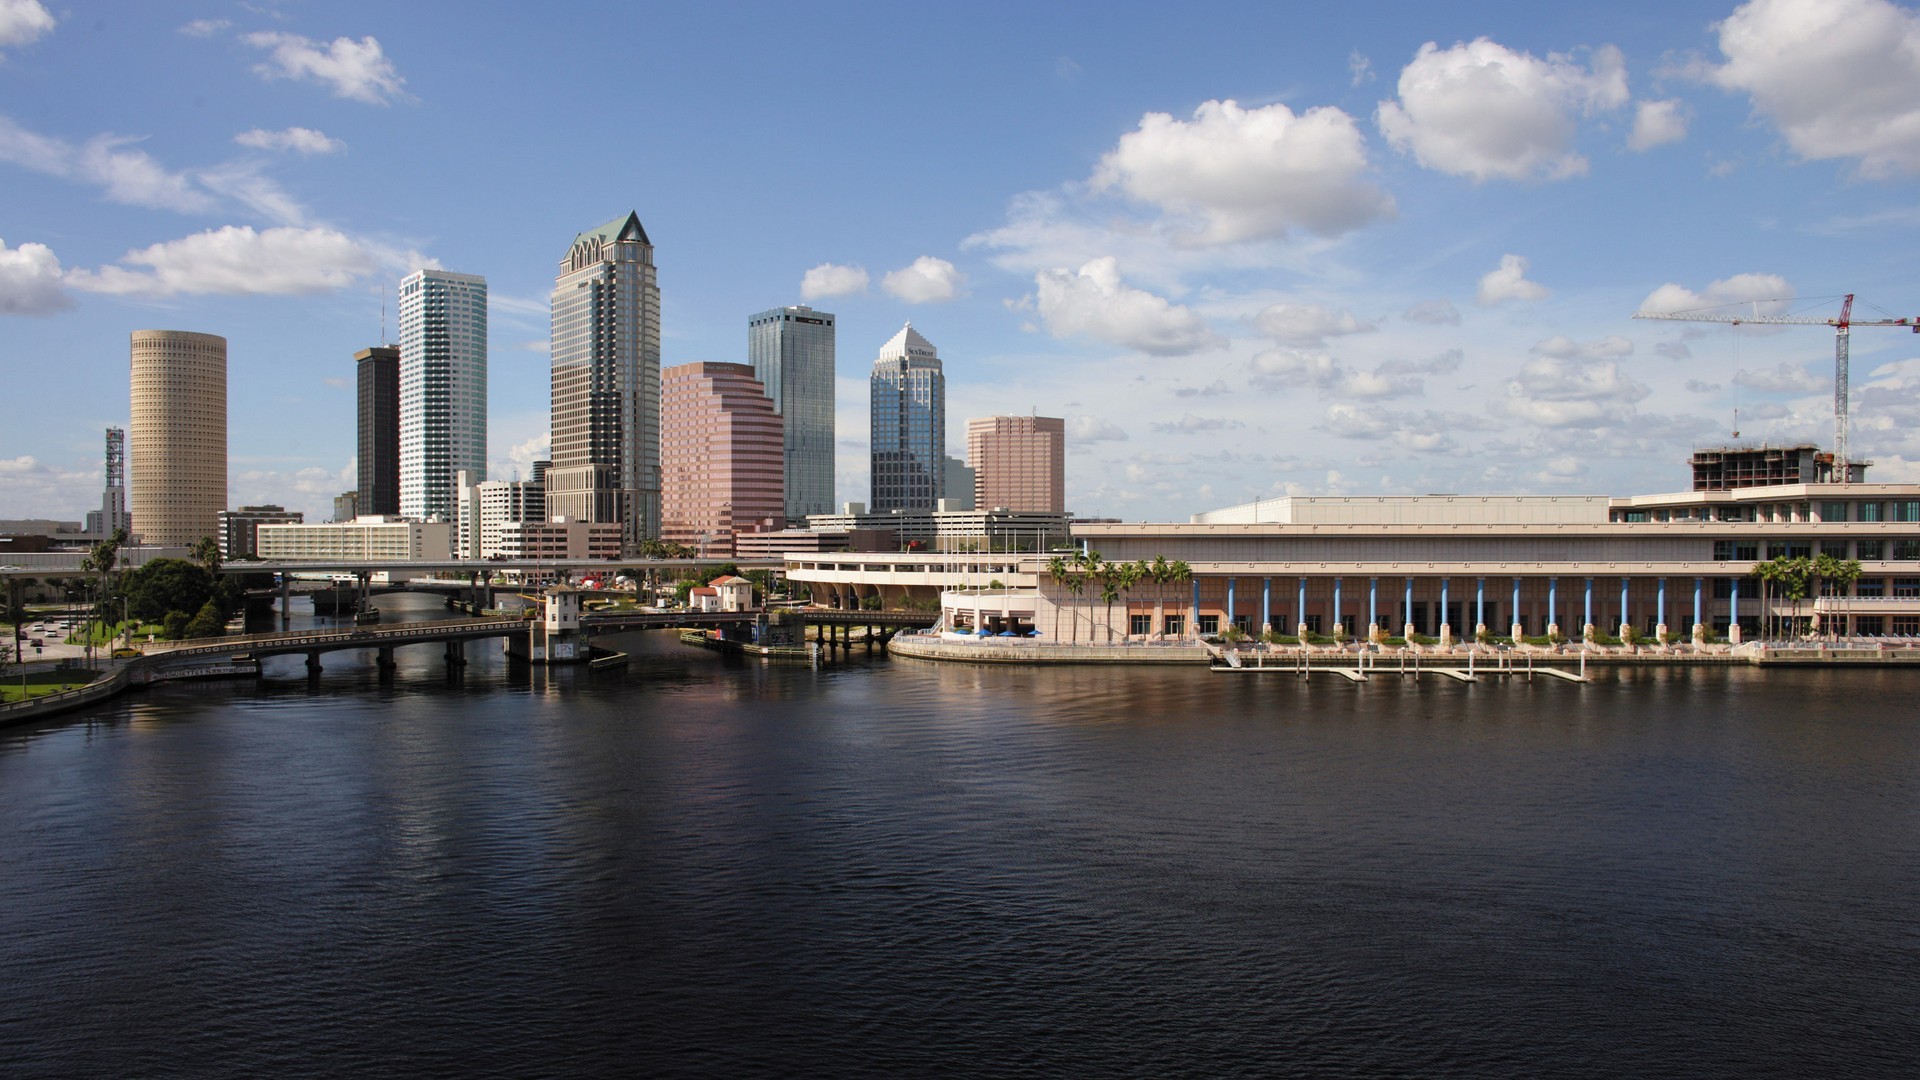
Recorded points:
(1244,252)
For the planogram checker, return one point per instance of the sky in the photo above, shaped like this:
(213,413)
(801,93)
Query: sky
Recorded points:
(1247,250)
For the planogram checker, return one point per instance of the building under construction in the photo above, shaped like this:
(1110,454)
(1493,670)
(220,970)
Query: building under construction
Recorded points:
(1726,468)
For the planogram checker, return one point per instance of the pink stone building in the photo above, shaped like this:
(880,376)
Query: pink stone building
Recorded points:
(722,456)
(1019,462)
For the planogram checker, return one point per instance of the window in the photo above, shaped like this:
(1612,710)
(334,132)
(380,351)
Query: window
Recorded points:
(1906,550)
(1176,625)
(1835,548)
(1906,587)
(1244,622)
(1870,625)
(1833,511)
(1906,625)
(1870,511)
(1907,510)
(1869,550)
(1209,624)
(1313,624)
(1140,624)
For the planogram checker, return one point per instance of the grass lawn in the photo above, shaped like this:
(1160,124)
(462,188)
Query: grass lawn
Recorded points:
(41,683)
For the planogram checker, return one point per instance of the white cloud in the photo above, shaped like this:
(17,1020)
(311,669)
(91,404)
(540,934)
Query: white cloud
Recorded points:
(204,28)
(1280,369)
(23,22)
(1782,378)
(1553,392)
(1510,282)
(1308,325)
(1839,78)
(1565,348)
(357,70)
(30,281)
(236,261)
(1359,68)
(1094,301)
(828,279)
(125,176)
(1246,174)
(1381,384)
(1656,123)
(1433,313)
(1189,424)
(1481,110)
(1674,350)
(927,281)
(244,183)
(299,140)
(1765,294)
(1092,429)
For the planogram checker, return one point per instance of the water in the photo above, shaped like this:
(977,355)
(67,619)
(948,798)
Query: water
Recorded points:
(704,866)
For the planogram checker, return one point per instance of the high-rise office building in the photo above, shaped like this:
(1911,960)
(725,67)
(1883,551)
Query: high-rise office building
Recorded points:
(240,529)
(443,388)
(791,350)
(177,452)
(112,515)
(1019,462)
(379,447)
(346,506)
(606,382)
(721,456)
(908,395)
(956,484)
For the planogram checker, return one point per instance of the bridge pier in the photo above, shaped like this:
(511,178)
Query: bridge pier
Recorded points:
(313,663)
(286,602)
(456,653)
(384,657)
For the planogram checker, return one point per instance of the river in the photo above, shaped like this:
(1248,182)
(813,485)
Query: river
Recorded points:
(710,866)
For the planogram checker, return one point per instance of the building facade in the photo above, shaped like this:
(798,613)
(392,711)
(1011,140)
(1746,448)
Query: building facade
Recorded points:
(722,454)
(957,482)
(558,540)
(606,383)
(443,388)
(112,515)
(487,509)
(791,350)
(1019,462)
(239,529)
(366,539)
(377,372)
(178,450)
(908,401)
(346,506)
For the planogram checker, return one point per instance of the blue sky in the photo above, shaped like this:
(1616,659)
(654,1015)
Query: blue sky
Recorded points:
(1247,249)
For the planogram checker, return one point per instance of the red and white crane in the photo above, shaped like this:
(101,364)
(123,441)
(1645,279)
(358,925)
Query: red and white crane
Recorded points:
(1842,330)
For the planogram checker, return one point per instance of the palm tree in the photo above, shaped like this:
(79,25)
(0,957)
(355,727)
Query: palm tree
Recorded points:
(1057,572)
(1179,573)
(1159,573)
(1076,582)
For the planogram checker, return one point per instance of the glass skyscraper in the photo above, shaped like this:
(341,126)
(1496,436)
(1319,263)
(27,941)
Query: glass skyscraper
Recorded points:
(606,382)
(791,350)
(443,388)
(908,395)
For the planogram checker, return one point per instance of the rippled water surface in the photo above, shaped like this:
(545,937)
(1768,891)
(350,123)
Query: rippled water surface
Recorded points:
(707,867)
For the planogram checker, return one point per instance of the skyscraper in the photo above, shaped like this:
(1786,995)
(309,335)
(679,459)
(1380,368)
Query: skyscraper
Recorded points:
(443,388)
(791,350)
(908,395)
(606,382)
(1019,462)
(178,449)
(721,456)
(379,447)
(112,515)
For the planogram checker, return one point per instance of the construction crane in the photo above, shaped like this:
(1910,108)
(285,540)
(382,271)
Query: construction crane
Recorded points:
(1842,330)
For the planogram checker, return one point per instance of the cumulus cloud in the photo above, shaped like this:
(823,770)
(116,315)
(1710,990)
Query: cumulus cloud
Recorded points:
(206,28)
(1237,174)
(927,281)
(1189,424)
(1092,429)
(30,281)
(1381,384)
(1095,302)
(298,140)
(1656,123)
(1565,348)
(1418,432)
(829,279)
(1308,325)
(23,22)
(1444,364)
(1509,282)
(1783,378)
(1216,388)
(1359,68)
(1555,392)
(1840,78)
(1482,110)
(1767,294)
(1281,369)
(1433,313)
(236,261)
(356,70)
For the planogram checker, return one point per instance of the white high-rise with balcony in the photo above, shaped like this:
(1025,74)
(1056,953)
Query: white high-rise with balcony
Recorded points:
(443,388)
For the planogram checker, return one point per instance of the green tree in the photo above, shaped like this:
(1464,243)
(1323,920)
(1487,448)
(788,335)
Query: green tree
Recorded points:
(174,626)
(166,585)
(210,622)
(206,552)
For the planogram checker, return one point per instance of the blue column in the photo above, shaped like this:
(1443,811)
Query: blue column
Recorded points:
(1733,604)
(1230,584)
(1193,616)
(1373,601)
(1698,611)
(1588,621)
(1553,601)
(1480,602)
(1300,612)
(1623,600)
(1514,615)
(1266,602)
(1443,601)
(1336,603)
(1409,603)
(1660,606)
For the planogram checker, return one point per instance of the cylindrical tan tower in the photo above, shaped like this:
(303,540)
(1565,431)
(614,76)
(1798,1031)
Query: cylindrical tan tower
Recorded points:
(177,452)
